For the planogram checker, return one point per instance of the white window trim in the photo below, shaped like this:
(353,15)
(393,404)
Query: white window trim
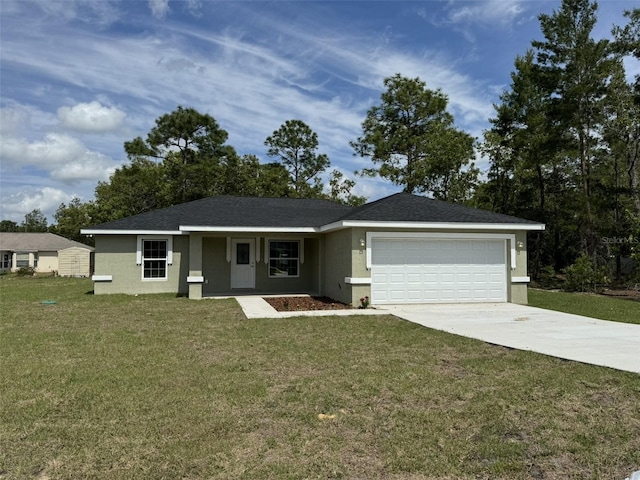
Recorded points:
(169,240)
(140,240)
(444,236)
(267,258)
(300,248)
(29,260)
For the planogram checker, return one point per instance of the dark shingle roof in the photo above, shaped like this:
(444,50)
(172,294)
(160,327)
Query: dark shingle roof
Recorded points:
(228,211)
(404,207)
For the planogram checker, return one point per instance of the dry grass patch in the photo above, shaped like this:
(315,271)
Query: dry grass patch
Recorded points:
(164,387)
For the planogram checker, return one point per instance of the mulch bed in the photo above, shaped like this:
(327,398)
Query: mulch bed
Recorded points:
(626,294)
(303,304)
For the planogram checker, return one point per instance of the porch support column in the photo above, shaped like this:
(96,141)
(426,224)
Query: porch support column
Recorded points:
(195,264)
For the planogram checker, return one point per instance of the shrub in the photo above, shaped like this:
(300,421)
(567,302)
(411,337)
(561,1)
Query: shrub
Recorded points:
(547,277)
(25,271)
(583,275)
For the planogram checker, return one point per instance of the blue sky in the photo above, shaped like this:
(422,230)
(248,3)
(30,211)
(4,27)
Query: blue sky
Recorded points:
(79,78)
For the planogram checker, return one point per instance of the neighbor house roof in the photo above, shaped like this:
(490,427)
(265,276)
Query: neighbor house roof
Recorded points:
(36,242)
(302,214)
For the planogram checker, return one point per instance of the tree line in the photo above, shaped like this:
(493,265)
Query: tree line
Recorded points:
(563,149)
(564,145)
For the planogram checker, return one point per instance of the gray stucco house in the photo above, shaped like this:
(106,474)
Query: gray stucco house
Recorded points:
(399,249)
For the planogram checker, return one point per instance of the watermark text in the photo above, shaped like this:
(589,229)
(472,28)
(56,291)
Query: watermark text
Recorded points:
(621,240)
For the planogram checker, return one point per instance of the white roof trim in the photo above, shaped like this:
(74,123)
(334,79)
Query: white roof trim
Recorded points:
(431,225)
(186,229)
(88,231)
(195,228)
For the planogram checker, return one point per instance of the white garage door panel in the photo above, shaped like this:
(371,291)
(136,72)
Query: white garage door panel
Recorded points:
(438,271)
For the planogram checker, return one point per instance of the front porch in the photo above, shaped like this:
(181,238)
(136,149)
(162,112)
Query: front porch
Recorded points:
(253,264)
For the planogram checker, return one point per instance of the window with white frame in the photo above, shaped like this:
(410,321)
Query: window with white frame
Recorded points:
(154,259)
(284,258)
(22,260)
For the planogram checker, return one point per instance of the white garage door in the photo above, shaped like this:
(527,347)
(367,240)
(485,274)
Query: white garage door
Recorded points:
(415,270)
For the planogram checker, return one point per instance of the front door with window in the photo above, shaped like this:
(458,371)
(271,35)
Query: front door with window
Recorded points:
(243,263)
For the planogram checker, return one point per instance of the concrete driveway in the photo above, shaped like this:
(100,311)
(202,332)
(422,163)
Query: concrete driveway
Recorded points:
(562,335)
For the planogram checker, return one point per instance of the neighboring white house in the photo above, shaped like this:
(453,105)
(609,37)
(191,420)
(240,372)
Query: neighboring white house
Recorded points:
(45,253)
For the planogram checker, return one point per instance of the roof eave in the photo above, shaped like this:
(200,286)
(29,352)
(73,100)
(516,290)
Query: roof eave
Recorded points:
(197,228)
(91,231)
(187,229)
(431,225)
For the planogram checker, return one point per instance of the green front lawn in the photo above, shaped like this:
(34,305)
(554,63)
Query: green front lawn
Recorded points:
(149,387)
(587,304)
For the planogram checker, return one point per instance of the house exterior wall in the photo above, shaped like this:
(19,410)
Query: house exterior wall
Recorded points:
(359,262)
(74,262)
(217,270)
(194,262)
(519,289)
(47,262)
(116,256)
(336,264)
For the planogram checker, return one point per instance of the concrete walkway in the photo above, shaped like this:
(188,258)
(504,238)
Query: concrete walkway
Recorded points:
(572,337)
(254,306)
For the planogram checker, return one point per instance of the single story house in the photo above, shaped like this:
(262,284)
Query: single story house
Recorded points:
(399,249)
(45,253)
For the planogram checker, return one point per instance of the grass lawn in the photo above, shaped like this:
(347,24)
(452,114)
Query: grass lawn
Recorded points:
(150,387)
(587,304)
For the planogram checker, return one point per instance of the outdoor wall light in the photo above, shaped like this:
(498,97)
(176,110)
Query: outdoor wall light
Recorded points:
(520,245)
(362,243)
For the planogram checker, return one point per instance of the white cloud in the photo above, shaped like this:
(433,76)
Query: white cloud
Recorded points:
(54,150)
(18,119)
(159,8)
(99,13)
(488,12)
(194,7)
(93,166)
(16,206)
(66,158)
(91,117)
(13,120)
